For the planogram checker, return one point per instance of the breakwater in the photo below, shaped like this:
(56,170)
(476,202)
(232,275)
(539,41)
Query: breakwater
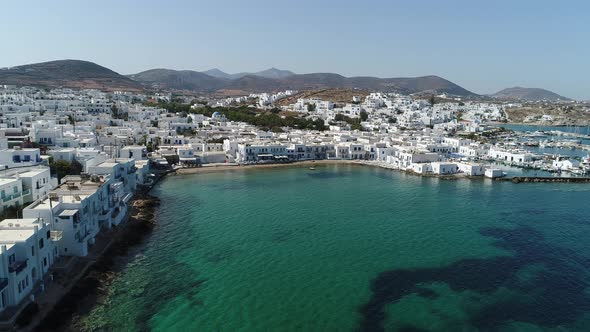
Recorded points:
(539,179)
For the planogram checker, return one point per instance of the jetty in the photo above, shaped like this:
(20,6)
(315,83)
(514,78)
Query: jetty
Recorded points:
(544,179)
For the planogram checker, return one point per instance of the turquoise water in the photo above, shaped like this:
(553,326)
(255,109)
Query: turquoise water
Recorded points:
(349,248)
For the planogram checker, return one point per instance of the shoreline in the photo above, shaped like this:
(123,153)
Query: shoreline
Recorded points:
(232,167)
(89,286)
(76,292)
(214,168)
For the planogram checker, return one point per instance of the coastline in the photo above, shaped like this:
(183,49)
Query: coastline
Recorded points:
(214,168)
(83,288)
(76,291)
(225,167)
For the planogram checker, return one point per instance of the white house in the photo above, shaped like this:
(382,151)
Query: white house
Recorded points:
(493,173)
(11,158)
(444,168)
(137,152)
(11,193)
(471,169)
(27,251)
(510,155)
(37,183)
(565,164)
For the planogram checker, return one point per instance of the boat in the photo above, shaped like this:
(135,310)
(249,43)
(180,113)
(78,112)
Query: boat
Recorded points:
(312,168)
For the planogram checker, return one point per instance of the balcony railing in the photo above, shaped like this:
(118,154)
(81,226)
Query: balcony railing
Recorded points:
(56,235)
(17,266)
(11,197)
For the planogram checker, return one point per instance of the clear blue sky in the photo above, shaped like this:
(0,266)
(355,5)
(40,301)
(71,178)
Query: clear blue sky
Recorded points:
(482,45)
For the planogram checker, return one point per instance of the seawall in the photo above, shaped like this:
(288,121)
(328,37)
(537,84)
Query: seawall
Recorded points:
(538,179)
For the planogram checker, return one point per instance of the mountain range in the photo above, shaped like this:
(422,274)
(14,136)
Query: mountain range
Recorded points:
(272,73)
(83,74)
(275,79)
(528,94)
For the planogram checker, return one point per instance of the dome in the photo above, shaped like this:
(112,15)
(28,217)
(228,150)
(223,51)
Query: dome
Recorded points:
(216,114)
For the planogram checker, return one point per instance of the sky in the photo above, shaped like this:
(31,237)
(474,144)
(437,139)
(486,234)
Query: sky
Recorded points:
(484,46)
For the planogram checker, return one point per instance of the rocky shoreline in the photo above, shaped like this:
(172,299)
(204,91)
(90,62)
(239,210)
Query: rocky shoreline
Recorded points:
(92,285)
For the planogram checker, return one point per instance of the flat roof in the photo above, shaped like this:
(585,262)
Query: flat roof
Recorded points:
(107,164)
(33,172)
(68,213)
(4,181)
(13,234)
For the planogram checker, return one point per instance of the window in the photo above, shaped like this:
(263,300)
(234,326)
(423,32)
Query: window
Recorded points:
(41,244)
(44,261)
(32,250)
(48,234)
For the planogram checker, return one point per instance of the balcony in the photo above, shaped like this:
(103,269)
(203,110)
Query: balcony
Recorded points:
(8,198)
(56,235)
(17,266)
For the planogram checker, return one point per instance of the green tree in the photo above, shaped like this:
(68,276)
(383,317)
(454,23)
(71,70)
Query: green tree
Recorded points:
(364,116)
(61,168)
(432,100)
(114,111)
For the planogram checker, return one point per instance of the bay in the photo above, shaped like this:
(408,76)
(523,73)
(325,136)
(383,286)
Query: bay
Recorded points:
(348,247)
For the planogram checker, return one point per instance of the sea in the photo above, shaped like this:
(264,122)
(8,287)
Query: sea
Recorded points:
(355,248)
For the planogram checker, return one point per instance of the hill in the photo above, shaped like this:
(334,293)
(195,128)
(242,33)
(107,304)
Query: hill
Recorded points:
(217,73)
(276,80)
(528,94)
(268,73)
(274,73)
(87,75)
(341,96)
(75,74)
(179,80)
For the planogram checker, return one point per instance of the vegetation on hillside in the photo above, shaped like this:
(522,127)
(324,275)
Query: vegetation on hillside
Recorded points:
(260,118)
(355,124)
